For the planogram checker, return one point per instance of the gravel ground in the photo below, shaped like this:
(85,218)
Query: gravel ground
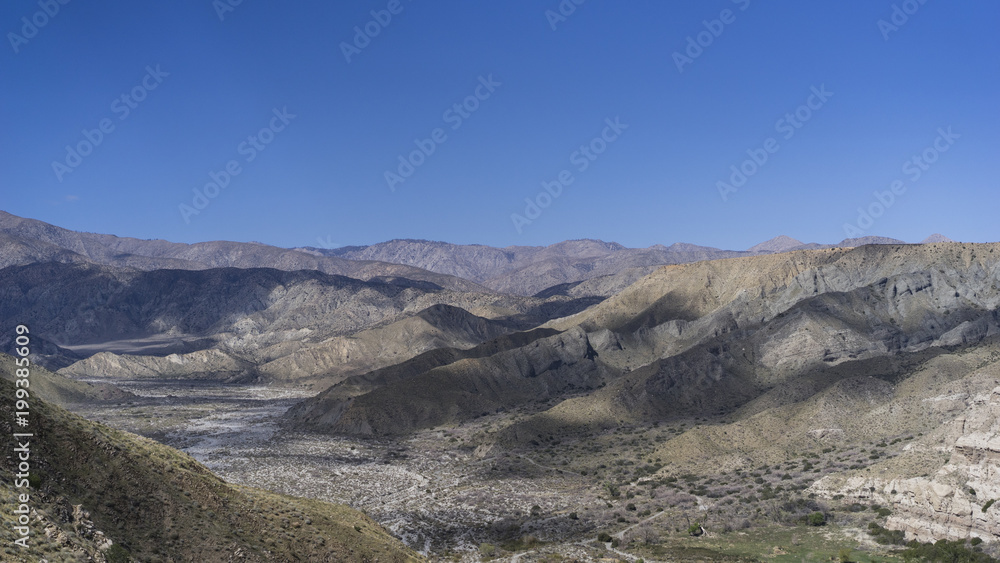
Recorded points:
(429,489)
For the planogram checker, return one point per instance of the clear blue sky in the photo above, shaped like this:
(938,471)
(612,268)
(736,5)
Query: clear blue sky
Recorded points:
(322,176)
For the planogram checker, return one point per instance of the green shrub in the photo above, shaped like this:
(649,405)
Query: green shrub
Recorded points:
(988,504)
(117,554)
(885,536)
(604,537)
(695,529)
(944,550)
(816,519)
(487,549)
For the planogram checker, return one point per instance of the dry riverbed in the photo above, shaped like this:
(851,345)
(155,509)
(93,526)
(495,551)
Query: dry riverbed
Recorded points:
(430,489)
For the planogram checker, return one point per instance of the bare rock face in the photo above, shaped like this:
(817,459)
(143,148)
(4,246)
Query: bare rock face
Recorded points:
(951,504)
(956,502)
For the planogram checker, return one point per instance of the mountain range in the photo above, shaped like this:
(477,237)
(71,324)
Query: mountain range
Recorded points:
(874,360)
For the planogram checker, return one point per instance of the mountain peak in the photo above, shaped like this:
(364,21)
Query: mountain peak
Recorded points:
(936,237)
(780,243)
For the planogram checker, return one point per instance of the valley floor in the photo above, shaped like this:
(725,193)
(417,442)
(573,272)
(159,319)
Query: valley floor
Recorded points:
(432,491)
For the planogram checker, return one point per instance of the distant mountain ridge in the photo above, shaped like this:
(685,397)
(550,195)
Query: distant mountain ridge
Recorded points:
(27,241)
(528,270)
(521,270)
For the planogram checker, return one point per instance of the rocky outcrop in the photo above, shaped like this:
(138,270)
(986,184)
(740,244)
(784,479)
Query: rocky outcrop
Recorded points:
(957,502)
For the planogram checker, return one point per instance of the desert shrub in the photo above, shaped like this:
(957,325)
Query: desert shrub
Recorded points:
(944,550)
(695,529)
(117,554)
(604,537)
(988,504)
(816,519)
(885,536)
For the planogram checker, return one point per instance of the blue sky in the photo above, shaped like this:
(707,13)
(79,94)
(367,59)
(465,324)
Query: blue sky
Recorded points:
(921,84)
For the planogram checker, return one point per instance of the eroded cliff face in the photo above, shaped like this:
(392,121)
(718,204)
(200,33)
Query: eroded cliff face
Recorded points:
(956,501)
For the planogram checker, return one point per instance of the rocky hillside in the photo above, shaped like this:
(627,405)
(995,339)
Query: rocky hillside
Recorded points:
(716,334)
(318,363)
(944,483)
(234,322)
(784,352)
(151,503)
(61,390)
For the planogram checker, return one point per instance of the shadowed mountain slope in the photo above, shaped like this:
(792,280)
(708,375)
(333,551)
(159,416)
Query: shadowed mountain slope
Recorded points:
(79,304)
(709,337)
